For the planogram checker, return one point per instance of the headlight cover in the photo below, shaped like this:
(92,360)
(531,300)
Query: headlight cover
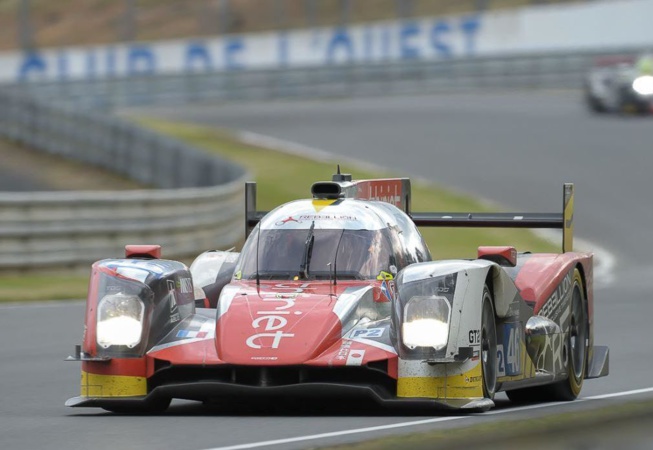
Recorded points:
(643,85)
(426,322)
(120,320)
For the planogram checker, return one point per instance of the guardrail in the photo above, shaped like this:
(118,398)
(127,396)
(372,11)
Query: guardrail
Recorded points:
(69,229)
(199,206)
(543,70)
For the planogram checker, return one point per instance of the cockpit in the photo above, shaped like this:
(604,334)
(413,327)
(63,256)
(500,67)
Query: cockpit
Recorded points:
(323,240)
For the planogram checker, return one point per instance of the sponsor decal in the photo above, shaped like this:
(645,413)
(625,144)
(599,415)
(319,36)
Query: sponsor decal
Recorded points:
(355,358)
(368,333)
(477,379)
(174,309)
(327,217)
(264,358)
(185,285)
(197,330)
(189,334)
(317,218)
(387,288)
(272,320)
(285,221)
(388,191)
(555,303)
(344,351)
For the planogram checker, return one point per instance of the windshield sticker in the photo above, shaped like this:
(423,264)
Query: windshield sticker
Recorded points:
(285,221)
(317,218)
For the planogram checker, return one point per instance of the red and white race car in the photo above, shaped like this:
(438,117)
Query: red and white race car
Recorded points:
(336,296)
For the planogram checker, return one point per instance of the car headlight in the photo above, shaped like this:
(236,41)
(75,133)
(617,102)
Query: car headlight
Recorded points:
(120,320)
(643,85)
(426,322)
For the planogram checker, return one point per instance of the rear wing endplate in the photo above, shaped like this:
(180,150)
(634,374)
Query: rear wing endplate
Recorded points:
(401,198)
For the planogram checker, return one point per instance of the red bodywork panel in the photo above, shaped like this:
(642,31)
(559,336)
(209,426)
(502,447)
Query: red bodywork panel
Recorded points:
(149,251)
(541,274)
(283,324)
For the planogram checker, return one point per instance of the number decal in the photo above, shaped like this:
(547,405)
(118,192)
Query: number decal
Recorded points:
(512,336)
(501,368)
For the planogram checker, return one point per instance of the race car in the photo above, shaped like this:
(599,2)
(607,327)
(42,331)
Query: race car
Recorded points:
(337,297)
(619,85)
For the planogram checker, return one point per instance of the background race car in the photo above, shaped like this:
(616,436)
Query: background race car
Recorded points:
(620,84)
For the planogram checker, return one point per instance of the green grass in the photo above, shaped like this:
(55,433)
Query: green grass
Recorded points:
(43,286)
(282,178)
(553,432)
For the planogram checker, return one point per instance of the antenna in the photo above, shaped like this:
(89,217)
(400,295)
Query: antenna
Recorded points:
(330,277)
(335,261)
(338,169)
(258,242)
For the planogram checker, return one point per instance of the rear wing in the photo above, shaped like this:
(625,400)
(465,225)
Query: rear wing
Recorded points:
(397,192)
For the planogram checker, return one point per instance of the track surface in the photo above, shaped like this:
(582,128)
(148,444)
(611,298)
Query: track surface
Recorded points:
(515,148)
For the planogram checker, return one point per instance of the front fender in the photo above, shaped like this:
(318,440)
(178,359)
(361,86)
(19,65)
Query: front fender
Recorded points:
(470,278)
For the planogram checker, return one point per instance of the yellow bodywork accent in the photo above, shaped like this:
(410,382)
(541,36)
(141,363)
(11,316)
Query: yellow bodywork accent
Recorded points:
(466,385)
(112,385)
(568,218)
(321,204)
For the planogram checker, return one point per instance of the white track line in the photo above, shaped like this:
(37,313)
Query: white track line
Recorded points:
(619,394)
(422,422)
(338,433)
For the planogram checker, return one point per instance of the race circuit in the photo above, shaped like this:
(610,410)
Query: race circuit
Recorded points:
(515,148)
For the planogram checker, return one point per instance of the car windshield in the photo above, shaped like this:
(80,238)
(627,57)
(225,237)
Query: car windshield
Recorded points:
(315,254)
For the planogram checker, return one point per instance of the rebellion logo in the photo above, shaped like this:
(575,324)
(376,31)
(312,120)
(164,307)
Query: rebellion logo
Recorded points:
(272,321)
(553,306)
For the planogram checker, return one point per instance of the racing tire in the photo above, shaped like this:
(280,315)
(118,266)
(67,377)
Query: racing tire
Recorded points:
(488,345)
(577,340)
(153,407)
(577,345)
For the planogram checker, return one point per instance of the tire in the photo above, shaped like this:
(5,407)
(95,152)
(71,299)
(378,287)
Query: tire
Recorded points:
(577,338)
(488,345)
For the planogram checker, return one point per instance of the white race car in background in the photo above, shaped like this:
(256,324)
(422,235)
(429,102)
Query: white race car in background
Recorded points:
(616,85)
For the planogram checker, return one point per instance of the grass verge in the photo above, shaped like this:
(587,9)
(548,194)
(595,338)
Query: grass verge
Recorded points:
(43,286)
(613,425)
(281,178)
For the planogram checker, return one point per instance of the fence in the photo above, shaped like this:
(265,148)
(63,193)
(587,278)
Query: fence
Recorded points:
(199,205)
(192,212)
(530,71)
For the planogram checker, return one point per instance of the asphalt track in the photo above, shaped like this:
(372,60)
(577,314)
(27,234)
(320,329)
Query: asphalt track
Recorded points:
(514,148)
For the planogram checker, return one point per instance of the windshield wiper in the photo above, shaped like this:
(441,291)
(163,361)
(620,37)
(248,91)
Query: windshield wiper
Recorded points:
(308,252)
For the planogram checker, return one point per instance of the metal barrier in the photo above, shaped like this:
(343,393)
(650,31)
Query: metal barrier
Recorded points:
(544,70)
(199,205)
(69,229)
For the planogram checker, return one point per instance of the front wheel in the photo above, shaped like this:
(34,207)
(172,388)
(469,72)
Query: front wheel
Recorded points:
(488,346)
